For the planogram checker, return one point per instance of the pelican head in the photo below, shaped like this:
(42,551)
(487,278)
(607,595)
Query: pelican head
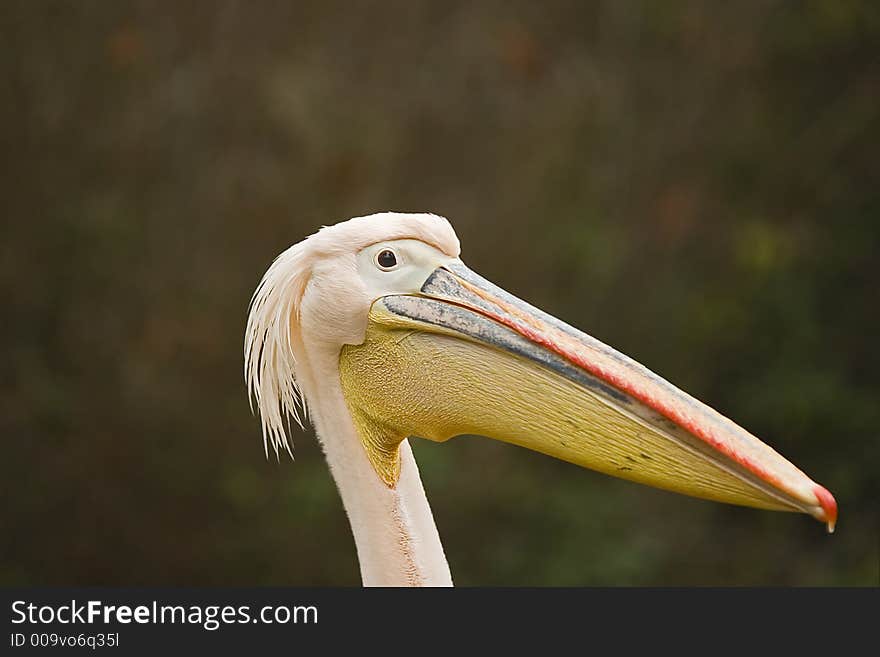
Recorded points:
(377,329)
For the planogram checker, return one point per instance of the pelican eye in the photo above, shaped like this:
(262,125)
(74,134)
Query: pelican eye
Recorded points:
(386,259)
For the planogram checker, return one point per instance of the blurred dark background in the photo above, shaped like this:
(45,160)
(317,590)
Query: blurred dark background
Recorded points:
(694,183)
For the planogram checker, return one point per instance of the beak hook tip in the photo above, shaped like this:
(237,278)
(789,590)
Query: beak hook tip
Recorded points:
(828,504)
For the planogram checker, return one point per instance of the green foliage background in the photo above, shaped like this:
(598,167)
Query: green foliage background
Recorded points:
(695,183)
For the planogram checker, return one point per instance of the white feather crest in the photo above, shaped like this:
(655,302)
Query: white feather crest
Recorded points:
(269,361)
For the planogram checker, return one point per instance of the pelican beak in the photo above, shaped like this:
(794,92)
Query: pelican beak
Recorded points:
(465,357)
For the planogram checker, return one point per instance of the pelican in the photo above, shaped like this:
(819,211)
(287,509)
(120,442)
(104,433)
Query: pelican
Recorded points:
(376,331)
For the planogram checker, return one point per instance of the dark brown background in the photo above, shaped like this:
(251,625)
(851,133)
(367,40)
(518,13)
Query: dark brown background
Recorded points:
(695,183)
